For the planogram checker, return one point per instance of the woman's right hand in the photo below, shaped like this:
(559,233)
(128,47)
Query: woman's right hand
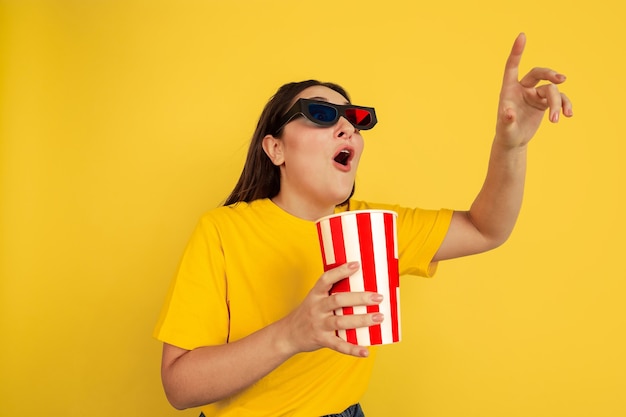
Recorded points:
(312,324)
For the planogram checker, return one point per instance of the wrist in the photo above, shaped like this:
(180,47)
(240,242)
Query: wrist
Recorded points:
(281,340)
(506,144)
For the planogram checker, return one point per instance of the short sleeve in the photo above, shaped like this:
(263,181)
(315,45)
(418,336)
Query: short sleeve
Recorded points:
(195,312)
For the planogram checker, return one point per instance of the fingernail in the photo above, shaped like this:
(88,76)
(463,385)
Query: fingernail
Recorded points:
(378,318)
(353,265)
(554,118)
(364,353)
(377,298)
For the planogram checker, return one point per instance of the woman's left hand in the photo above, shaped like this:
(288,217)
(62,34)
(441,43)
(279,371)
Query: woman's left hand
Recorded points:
(524,102)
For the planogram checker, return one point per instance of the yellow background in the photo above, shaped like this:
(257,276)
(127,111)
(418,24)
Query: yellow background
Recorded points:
(123,121)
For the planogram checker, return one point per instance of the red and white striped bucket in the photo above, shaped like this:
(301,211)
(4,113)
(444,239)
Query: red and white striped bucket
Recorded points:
(369,237)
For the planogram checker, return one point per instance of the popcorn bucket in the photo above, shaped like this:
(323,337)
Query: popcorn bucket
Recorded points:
(369,237)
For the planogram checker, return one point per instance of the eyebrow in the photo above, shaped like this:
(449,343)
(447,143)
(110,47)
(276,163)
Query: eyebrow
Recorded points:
(325,99)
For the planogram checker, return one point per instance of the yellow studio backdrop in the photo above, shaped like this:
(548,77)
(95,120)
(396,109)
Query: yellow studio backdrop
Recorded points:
(123,121)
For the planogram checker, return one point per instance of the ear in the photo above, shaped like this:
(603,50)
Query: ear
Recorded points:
(273,148)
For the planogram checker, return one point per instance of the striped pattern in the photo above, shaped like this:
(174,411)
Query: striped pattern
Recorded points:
(369,237)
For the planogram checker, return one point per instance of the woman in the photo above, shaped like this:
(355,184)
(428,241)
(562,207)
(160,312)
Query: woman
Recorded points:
(248,327)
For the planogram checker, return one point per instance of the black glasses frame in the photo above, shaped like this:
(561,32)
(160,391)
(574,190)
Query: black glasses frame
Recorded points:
(301,107)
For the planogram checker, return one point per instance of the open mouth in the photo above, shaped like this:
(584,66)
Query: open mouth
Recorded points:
(343,157)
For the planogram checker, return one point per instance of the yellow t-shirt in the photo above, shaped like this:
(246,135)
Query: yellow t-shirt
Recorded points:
(250,264)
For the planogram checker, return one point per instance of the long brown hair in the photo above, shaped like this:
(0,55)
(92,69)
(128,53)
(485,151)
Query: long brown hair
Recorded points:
(260,178)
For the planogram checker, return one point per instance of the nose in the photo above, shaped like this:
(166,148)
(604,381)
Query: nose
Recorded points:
(344,129)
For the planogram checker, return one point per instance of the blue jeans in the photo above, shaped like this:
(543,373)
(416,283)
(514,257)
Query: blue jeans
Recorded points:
(352,411)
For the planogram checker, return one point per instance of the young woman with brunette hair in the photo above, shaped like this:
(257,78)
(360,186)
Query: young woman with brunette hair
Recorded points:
(260,178)
(248,326)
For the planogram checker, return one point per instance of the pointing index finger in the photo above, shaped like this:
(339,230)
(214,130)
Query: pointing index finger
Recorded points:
(511,69)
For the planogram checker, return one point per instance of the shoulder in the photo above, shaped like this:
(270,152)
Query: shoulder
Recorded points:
(236,211)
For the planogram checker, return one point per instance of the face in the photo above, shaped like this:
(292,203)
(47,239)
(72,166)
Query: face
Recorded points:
(318,164)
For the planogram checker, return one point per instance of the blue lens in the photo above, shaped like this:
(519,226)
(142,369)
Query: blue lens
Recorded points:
(322,113)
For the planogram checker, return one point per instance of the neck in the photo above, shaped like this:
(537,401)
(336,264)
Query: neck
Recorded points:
(306,210)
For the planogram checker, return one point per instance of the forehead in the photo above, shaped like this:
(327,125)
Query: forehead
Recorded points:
(319,92)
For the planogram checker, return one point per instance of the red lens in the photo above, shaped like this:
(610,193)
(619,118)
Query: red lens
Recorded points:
(359,117)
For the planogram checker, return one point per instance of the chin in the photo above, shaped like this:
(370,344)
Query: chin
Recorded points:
(344,197)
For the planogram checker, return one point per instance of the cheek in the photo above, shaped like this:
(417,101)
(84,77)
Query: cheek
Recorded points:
(303,147)
(299,150)
(359,146)
(301,159)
